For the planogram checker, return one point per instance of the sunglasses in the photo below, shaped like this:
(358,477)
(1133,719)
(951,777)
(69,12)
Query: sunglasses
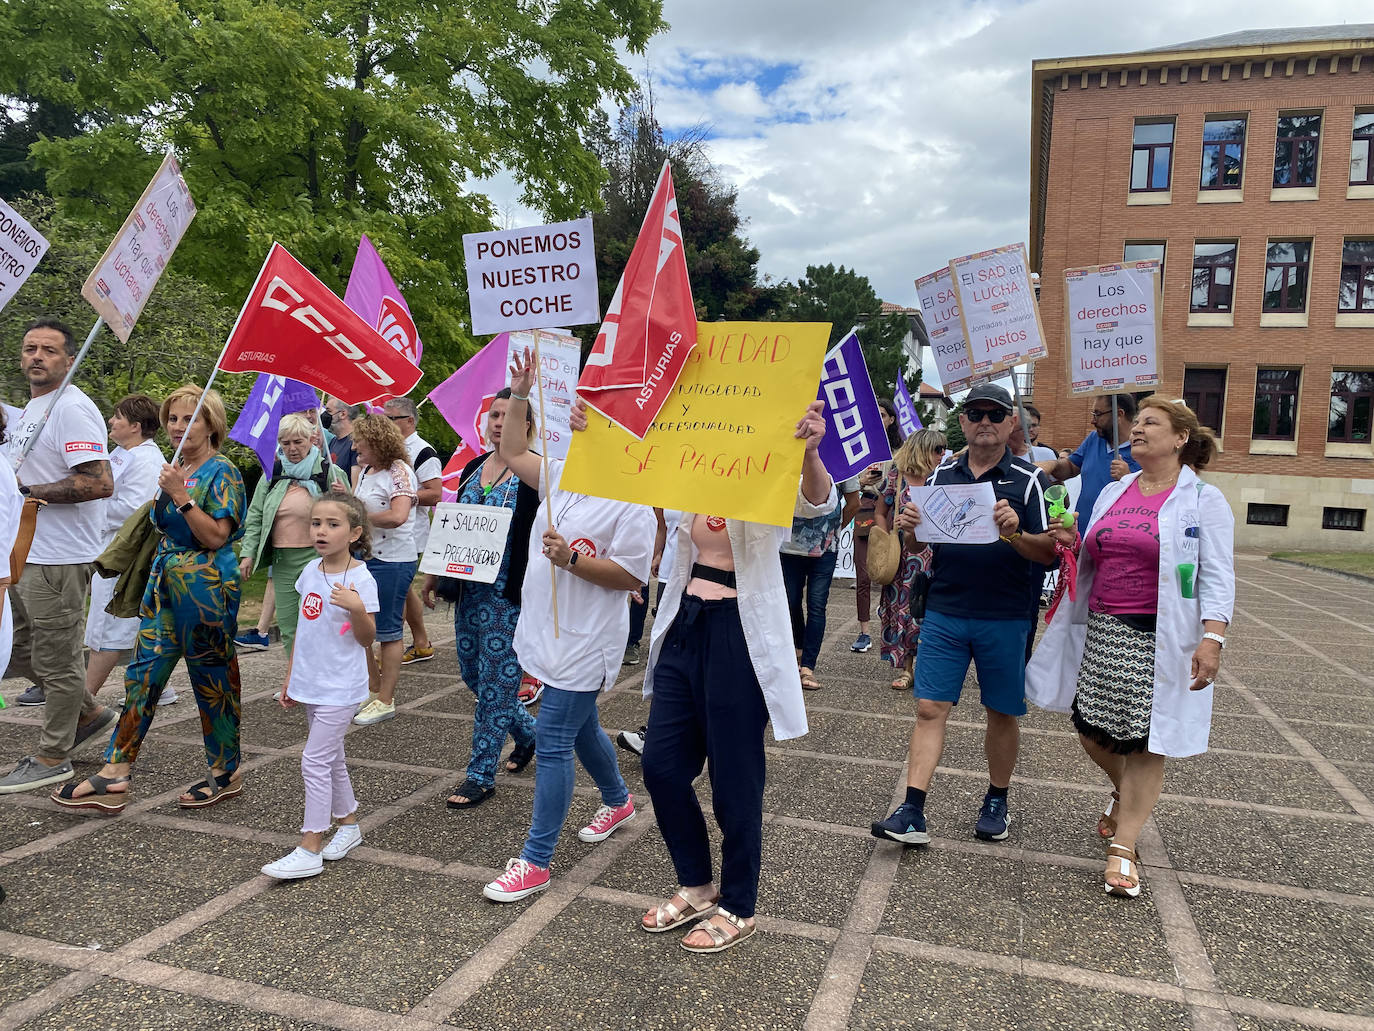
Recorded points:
(993,415)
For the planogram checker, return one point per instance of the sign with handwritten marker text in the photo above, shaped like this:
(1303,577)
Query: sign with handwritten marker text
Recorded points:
(467,542)
(1113,327)
(940,312)
(998,309)
(723,444)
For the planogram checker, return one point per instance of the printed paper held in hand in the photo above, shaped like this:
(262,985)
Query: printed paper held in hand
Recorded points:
(956,514)
(467,541)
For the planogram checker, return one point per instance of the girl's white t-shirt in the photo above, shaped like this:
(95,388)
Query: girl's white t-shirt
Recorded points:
(376,488)
(328,665)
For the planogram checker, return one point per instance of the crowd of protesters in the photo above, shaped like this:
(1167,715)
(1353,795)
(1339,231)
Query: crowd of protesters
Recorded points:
(129,552)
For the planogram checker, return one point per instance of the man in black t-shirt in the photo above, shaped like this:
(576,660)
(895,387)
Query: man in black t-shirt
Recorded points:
(976,609)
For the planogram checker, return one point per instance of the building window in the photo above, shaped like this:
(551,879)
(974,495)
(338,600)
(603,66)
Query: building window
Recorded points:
(1214,268)
(1204,391)
(1285,275)
(1357,275)
(1145,252)
(1266,515)
(1152,147)
(1295,150)
(1276,404)
(1352,399)
(1343,519)
(1223,147)
(1362,150)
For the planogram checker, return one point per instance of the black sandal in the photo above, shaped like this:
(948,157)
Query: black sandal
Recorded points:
(519,757)
(475,794)
(213,790)
(100,796)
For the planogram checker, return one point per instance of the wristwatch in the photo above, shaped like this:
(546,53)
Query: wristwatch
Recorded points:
(25,491)
(1209,636)
(190,504)
(572,559)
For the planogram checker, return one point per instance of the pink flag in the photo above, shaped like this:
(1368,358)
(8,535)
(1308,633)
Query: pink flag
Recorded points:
(374,295)
(465,397)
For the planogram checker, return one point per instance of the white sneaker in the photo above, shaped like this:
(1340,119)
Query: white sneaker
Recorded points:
(294,865)
(169,697)
(372,696)
(345,840)
(375,712)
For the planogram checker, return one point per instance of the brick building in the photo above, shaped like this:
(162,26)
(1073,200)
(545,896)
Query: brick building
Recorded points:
(1245,162)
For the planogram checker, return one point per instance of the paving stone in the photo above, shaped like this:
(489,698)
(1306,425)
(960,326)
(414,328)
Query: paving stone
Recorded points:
(112,1003)
(366,935)
(1361,775)
(413,738)
(827,790)
(1263,679)
(657,984)
(852,734)
(20,978)
(1350,743)
(20,825)
(1292,951)
(1311,706)
(1281,782)
(900,992)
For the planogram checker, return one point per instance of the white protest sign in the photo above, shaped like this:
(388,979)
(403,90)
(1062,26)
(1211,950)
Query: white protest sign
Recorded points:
(533,277)
(998,310)
(1113,327)
(956,514)
(121,281)
(21,248)
(467,542)
(560,355)
(844,557)
(940,311)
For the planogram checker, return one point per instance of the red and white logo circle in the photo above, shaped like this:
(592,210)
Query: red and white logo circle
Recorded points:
(715,524)
(398,329)
(584,547)
(312,606)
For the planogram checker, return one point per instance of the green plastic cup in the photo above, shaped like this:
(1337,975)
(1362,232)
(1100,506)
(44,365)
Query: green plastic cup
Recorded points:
(1186,573)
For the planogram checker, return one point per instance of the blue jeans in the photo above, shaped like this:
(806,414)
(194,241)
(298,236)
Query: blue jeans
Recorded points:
(812,574)
(567,723)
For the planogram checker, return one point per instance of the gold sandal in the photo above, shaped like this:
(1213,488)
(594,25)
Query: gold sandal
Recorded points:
(1127,869)
(903,681)
(678,915)
(720,939)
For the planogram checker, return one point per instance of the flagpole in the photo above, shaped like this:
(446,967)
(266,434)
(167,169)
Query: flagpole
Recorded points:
(1020,407)
(66,382)
(544,456)
(200,401)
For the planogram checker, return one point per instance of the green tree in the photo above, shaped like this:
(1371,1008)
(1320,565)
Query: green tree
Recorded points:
(310,121)
(721,263)
(846,299)
(954,430)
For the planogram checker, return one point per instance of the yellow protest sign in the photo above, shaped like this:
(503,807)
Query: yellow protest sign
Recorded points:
(723,443)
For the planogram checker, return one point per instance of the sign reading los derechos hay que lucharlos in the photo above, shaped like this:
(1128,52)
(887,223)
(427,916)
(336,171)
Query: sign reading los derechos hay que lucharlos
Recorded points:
(998,309)
(1113,327)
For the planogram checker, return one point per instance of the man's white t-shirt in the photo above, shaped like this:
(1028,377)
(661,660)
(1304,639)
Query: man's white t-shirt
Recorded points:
(135,481)
(375,490)
(593,621)
(425,461)
(328,665)
(65,534)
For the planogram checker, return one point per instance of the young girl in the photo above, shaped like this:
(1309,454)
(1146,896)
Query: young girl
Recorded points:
(338,597)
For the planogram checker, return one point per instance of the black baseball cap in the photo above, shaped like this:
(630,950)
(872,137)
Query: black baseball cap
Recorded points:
(989,392)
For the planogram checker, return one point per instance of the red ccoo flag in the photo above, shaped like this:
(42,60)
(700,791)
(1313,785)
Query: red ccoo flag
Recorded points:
(293,325)
(651,325)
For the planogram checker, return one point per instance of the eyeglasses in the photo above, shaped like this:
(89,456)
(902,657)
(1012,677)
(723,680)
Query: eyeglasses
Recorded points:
(993,415)
(398,418)
(1099,415)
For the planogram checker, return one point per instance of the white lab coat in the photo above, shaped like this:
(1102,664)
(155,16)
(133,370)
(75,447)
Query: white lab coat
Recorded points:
(1195,525)
(763,609)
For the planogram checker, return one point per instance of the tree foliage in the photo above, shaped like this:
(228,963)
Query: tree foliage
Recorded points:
(721,263)
(309,122)
(847,299)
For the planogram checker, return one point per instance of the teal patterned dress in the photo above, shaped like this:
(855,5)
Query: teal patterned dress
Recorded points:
(190,609)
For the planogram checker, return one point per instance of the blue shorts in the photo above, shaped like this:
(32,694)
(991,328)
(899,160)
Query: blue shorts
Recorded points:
(997,648)
(393,581)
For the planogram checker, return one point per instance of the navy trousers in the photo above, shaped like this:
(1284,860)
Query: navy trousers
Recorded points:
(708,708)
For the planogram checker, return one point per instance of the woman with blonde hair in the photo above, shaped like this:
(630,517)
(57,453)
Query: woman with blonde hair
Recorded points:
(1134,655)
(388,488)
(915,460)
(190,608)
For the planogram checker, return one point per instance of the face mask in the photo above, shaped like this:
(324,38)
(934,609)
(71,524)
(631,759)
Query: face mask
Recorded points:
(326,418)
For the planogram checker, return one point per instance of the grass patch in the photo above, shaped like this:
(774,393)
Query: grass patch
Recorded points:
(250,600)
(1361,563)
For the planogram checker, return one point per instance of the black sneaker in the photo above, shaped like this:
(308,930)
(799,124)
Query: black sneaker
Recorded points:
(32,696)
(907,824)
(994,822)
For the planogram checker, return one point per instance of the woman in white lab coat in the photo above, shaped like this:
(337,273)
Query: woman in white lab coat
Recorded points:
(1133,657)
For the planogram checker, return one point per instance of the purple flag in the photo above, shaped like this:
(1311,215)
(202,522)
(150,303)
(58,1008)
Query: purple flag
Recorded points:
(854,435)
(465,397)
(271,398)
(375,297)
(908,420)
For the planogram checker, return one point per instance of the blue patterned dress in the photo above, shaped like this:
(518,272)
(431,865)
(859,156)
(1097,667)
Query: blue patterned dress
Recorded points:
(484,626)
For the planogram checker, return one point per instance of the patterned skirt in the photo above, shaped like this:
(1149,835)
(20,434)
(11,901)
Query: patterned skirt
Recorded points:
(1116,685)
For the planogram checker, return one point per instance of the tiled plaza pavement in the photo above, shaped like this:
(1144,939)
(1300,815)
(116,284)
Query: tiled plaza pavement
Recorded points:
(1258,912)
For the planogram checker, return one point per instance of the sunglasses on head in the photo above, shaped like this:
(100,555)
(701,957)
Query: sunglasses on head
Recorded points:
(993,415)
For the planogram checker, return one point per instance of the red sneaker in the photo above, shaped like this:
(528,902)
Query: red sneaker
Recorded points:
(530,690)
(606,820)
(520,880)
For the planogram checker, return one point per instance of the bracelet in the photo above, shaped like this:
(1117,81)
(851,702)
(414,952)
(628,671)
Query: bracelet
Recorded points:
(1209,636)
(1012,537)
(519,397)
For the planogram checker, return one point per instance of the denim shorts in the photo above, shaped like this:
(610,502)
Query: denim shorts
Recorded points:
(393,581)
(997,648)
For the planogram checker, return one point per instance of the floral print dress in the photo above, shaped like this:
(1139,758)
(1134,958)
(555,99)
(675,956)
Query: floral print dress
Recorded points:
(900,632)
